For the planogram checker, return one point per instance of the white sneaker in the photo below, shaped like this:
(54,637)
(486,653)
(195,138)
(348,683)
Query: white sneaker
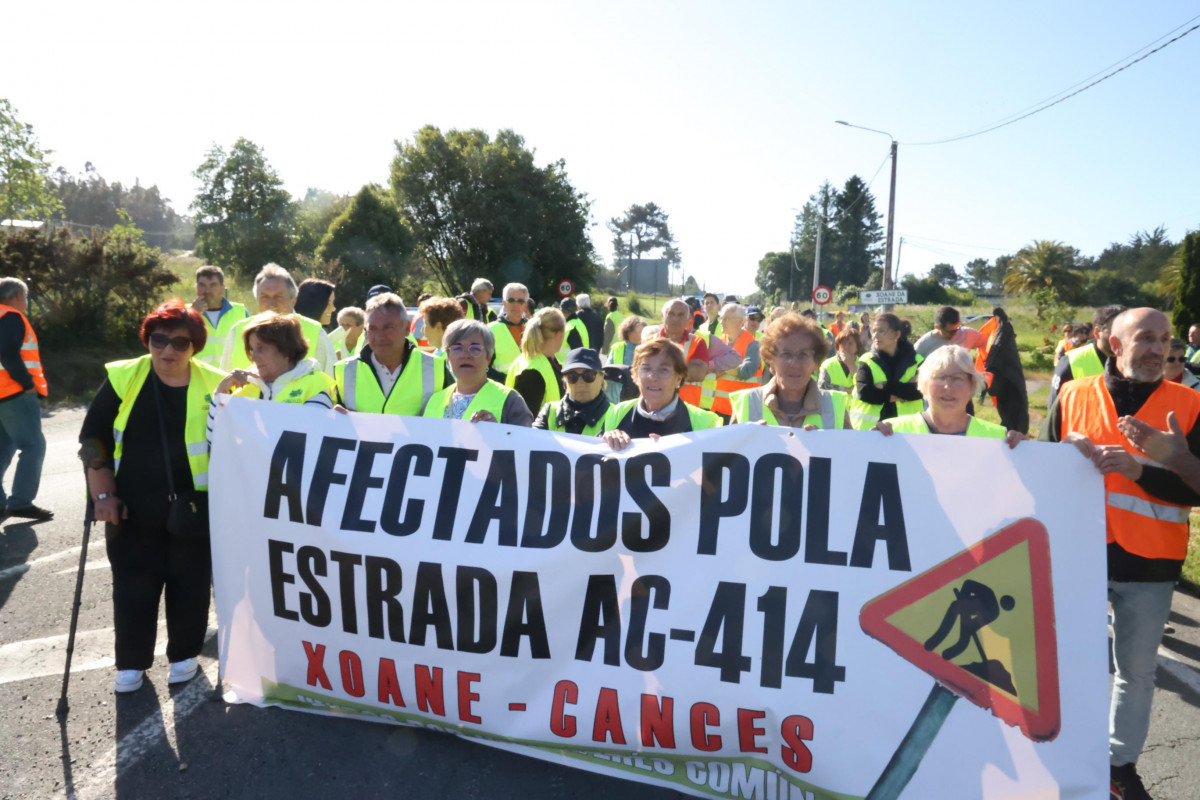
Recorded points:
(184,671)
(128,680)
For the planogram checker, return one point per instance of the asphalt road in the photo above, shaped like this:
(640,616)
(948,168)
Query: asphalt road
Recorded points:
(177,743)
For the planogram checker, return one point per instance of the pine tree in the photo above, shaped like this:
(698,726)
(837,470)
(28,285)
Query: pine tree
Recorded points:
(1187,297)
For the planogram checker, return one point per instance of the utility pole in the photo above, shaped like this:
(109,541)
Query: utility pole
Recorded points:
(817,261)
(887,252)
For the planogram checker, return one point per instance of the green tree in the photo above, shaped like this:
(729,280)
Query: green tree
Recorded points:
(1045,269)
(370,240)
(26,191)
(244,217)
(944,275)
(1187,297)
(642,229)
(88,199)
(314,214)
(479,206)
(978,275)
(819,209)
(855,250)
(775,273)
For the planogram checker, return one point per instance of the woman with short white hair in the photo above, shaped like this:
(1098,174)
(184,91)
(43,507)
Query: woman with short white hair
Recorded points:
(948,380)
(470,346)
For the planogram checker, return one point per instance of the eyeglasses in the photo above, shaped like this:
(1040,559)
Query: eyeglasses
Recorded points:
(662,373)
(587,376)
(957,380)
(803,355)
(160,340)
(514,300)
(1174,359)
(460,350)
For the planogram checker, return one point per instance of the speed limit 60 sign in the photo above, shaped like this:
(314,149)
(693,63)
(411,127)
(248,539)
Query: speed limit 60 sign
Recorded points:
(565,288)
(822,295)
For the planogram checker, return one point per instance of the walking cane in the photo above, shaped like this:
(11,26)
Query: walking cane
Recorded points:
(88,518)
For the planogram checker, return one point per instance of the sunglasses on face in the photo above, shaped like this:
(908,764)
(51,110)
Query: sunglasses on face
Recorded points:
(1175,359)
(587,376)
(514,300)
(160,340)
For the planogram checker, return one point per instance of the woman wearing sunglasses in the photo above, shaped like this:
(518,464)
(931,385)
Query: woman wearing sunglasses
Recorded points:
(536,374)
(583,410)
(281,370)
(470,346)
(143,442)
(1174,369)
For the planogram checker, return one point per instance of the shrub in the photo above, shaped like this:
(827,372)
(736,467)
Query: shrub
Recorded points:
(635,307)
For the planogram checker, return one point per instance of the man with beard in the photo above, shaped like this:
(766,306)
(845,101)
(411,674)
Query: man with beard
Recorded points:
(1146,513)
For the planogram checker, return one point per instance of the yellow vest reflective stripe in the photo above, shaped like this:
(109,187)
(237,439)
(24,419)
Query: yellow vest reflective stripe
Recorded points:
(915,423)
(703,393)
(727,386)
(298,391)
(588,430)
(838,374)
(574,324)
(490,397)
(359,389)
(542,365)
(311,328)
(30,355)
(215,346)
(507,349)
(864,415)
(128,377)
(700,419)
(616,354)
(1085,361)
(748,406)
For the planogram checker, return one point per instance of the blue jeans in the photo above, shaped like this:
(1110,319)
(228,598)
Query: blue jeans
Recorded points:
(21,429)
(1139,612)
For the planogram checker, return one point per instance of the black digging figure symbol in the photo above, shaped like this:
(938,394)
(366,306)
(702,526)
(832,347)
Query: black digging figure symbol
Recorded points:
(975,606)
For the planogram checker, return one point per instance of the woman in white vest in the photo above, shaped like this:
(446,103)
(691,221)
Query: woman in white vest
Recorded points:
(281,370)
(948,380)
(791,349)
(143,441)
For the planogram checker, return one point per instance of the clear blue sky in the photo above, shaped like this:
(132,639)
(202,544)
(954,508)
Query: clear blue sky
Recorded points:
(721,113)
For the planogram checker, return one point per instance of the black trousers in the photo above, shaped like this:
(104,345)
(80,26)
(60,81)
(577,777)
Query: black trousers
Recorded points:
(144,563)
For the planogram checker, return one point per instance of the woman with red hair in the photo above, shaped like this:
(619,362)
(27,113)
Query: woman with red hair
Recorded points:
(144,447)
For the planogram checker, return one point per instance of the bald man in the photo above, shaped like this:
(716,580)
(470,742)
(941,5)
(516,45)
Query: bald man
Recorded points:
(1146,512)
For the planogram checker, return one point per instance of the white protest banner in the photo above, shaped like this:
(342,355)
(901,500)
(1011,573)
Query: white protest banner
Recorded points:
(749,612)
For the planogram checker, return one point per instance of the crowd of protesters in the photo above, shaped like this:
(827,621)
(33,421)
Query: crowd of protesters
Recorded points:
(703,363)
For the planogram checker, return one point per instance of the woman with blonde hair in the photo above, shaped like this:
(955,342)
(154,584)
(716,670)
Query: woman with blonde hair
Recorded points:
(948,380)
(536,374)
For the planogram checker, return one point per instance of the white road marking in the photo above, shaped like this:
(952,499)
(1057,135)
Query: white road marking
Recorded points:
(1179,669)
(21,569)
(98,564)
(37,658)
(101,774)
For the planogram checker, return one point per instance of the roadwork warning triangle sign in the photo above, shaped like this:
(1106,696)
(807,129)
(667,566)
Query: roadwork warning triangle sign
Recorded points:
(982,624)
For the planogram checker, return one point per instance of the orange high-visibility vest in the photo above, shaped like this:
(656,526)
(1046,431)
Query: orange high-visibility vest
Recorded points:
(1139,522)
(700,395)
(727,386)
(30,355)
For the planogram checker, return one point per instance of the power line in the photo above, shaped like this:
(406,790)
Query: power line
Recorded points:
(1053,103)
(909,236)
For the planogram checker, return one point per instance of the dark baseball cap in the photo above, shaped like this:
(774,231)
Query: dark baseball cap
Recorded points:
(754,311)
(378,288)
(582,358)
(568,304)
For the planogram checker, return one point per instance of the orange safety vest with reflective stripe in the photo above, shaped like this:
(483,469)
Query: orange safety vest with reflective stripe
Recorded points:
(30,355)
(1136,520)
(727,386)
(702,394)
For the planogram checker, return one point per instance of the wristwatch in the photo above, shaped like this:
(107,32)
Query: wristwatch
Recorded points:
(102,496)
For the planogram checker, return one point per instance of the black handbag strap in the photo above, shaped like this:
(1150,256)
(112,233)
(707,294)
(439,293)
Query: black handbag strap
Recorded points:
(162,430)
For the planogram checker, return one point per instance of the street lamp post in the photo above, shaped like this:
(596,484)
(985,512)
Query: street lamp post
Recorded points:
(887,252)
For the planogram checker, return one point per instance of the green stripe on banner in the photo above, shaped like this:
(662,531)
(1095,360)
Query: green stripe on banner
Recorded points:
(745,777)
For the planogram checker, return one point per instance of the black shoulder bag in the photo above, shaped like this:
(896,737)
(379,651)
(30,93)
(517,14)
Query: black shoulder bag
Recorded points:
(187,514)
